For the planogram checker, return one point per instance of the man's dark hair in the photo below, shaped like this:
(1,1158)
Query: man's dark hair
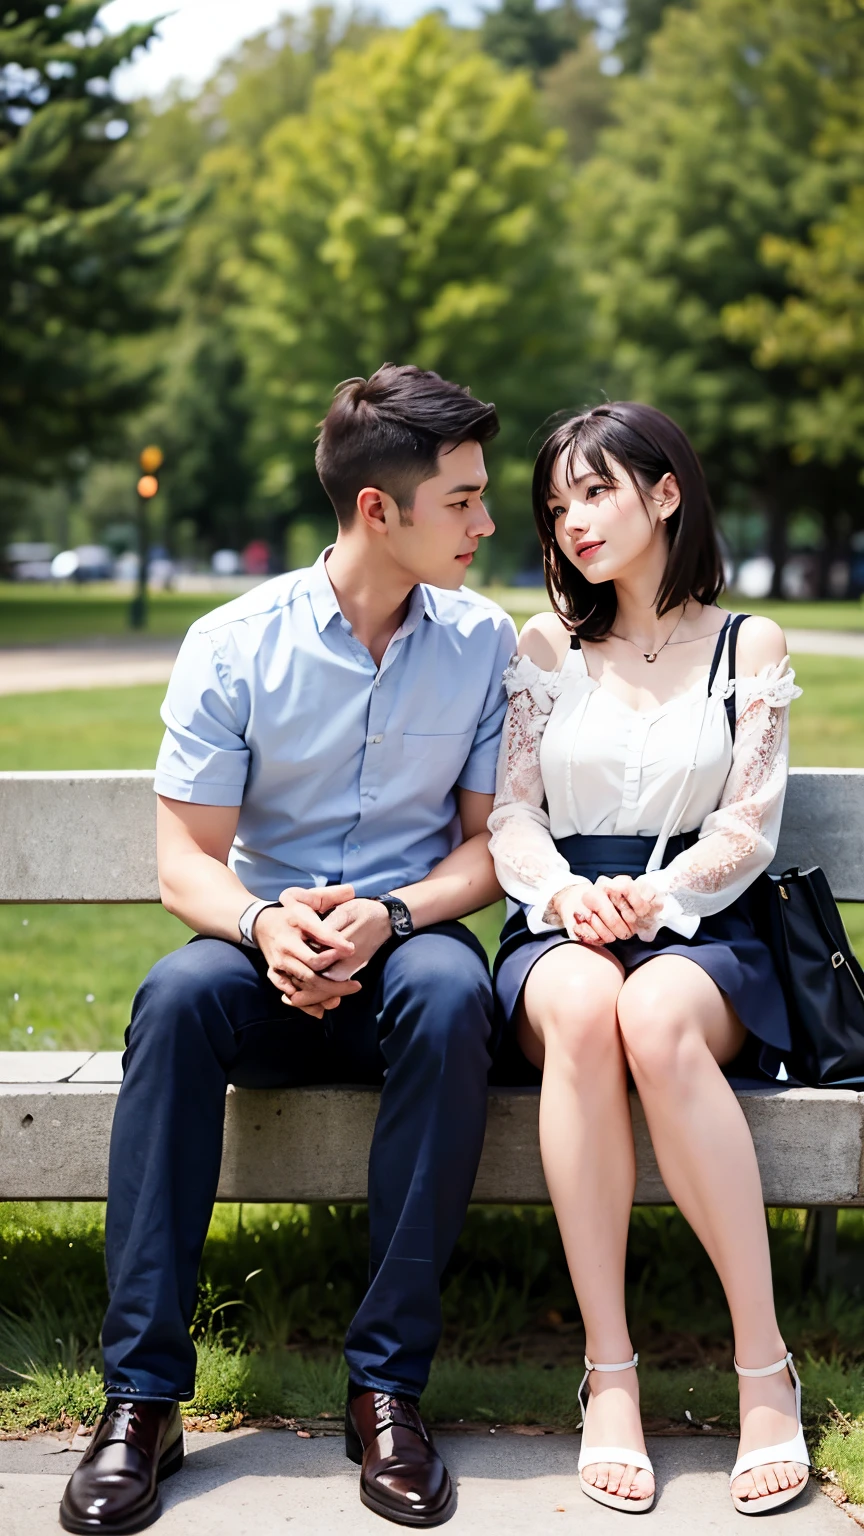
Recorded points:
(387,431)
(647,445)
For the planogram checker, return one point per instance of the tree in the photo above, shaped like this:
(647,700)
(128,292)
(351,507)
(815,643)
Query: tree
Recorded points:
(79,264)
(212,145)
(817,329)
(577,96)
(415,213)
(642,18)
(713,152)
(521,36)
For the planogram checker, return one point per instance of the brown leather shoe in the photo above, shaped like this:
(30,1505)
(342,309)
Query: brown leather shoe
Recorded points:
(403,1478)
(114,1488)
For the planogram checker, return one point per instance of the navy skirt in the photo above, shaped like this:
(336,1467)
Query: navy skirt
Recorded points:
(727,946)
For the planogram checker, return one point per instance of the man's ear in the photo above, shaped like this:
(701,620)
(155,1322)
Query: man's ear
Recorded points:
(667,495)
(375,508)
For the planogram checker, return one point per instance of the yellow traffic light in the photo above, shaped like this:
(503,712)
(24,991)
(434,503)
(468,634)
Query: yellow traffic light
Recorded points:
(151,458)
(148,485)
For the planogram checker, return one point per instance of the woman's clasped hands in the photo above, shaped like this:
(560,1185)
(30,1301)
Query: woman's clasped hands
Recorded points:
(608,909)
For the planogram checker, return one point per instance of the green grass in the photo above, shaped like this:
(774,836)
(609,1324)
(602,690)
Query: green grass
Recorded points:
(102,728)
(267,1330)
(36,615)
(121,728)
(105,951)
(522,602)
(55,958)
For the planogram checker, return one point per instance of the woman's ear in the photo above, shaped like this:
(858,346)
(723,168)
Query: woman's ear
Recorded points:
(667,496)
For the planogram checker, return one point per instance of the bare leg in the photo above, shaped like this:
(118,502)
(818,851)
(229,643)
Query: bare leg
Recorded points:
(568,1027)
(678,1030)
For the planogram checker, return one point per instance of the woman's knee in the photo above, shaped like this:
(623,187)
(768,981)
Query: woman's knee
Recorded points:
(662,1039)
(577,1021)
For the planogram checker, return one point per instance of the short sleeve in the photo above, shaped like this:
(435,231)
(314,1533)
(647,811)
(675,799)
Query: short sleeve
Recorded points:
(479,771)
(204,758)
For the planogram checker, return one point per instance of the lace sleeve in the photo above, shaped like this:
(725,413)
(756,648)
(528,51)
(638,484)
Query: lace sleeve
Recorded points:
(738,840)
(527,863)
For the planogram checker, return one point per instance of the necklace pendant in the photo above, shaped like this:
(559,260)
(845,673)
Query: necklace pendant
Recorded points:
(652,657)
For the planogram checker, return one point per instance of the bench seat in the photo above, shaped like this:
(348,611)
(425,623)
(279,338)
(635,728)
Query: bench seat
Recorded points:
(312,1143)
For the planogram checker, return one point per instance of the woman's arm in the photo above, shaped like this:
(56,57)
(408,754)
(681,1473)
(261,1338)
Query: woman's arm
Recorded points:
(527,863)
(738,840)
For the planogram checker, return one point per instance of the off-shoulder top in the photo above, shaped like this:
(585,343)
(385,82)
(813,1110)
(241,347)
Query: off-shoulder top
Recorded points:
(575,758)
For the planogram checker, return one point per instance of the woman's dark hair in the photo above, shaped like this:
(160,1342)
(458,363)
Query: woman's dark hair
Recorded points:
(388,431)
(647,445)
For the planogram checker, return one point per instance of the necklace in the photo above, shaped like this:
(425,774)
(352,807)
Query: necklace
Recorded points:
(651,655)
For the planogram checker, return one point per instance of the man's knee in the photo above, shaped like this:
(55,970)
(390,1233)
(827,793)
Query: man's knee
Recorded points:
(183,988)
(444,986)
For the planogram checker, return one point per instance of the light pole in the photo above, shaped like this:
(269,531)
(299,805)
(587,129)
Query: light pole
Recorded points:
(150,460)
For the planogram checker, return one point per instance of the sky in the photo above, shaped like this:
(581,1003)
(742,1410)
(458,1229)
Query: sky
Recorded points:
(198,33)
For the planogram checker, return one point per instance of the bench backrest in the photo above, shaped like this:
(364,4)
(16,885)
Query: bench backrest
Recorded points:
(88,836)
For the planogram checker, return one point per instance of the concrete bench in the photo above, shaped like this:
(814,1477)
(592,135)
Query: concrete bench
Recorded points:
(89,837)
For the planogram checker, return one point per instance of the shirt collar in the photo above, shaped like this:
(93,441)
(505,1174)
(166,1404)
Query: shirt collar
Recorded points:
(325,604)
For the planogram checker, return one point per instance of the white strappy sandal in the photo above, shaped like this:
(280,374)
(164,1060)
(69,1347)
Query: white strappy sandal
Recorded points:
(791,1450)
(590,1455)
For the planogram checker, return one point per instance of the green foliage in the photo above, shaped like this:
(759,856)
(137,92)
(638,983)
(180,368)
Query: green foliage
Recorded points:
(577,96)
(818,329)
(79,264)
(642,18)
(713,152)
(212,145)
(521,36)
(416,212)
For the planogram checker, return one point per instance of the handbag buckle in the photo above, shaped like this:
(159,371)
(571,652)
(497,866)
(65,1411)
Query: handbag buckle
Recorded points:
(836,959)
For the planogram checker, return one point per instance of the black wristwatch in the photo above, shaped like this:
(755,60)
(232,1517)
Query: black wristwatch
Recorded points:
(400,917)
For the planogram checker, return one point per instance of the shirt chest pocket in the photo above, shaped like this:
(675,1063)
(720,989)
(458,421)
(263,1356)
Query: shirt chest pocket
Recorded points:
(446,753)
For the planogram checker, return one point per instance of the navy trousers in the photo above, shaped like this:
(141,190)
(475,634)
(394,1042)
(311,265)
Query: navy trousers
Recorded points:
(207,1016)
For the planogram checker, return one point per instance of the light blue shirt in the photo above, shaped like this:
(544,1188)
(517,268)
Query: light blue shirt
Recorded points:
(342,772)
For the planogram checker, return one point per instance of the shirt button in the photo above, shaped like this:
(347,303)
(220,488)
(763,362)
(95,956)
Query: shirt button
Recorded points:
(374,740)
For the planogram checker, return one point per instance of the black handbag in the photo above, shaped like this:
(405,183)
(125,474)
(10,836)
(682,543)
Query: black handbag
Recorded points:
(821,978)
(822,981)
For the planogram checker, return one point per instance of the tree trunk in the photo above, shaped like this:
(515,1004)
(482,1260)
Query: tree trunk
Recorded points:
(775,507)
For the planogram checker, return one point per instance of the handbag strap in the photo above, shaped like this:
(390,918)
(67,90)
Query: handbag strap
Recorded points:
(729,632)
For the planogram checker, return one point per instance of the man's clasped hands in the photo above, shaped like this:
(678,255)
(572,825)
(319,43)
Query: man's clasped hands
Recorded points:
(316,940)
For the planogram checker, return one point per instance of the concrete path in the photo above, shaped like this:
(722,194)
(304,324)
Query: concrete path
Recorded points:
(56,669)
(123,663)
(262,1482)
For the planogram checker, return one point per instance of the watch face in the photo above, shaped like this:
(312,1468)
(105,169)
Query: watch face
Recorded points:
(400,917)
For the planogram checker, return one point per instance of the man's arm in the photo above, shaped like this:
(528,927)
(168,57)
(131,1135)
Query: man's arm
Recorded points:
(463,882)
(196,885)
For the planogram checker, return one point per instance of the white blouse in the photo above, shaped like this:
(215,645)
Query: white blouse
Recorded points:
(575,758)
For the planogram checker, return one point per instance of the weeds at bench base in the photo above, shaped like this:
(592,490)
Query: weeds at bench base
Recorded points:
(279,1283)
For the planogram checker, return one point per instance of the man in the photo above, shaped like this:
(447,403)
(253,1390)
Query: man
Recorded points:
(324,785)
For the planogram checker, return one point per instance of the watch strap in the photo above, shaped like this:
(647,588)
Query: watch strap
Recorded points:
(246,921)
(399,914)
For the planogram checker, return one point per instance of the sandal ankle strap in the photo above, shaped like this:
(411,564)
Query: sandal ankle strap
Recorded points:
(623,1366)
(766,1370)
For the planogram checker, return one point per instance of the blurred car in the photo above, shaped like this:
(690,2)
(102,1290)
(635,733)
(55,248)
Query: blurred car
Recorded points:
(29,561)
(225,562)
(755,576)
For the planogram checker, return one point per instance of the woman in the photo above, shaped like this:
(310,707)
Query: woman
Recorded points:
(629,827)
